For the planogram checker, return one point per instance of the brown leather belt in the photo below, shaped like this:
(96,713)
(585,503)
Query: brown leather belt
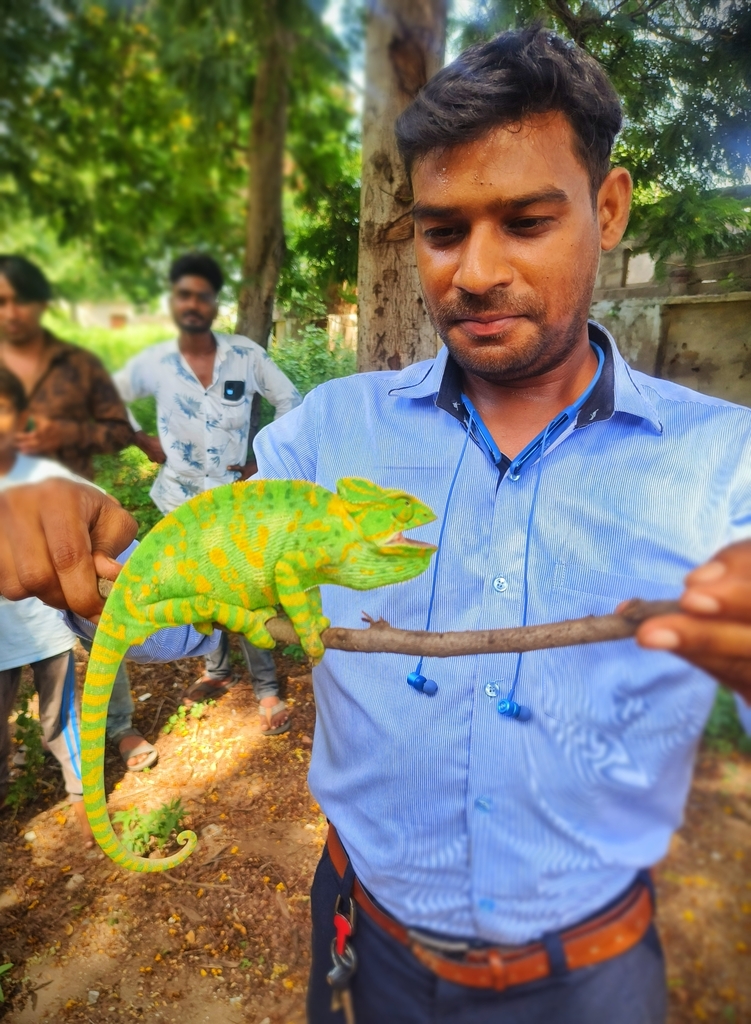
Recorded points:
(600,938)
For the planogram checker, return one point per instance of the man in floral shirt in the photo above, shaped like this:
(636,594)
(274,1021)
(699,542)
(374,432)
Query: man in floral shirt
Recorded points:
(204,383)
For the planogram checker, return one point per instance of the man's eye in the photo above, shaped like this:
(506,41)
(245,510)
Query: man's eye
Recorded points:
(442,234)
(529,223)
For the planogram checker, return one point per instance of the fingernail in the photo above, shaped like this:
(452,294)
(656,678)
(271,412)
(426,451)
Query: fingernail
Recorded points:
(664,639)
(695,601)
(708,573)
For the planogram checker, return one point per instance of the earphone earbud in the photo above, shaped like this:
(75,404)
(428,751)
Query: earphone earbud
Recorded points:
(510,709)
(419,682)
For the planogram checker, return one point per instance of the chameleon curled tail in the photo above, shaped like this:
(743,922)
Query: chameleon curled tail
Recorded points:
(104,662)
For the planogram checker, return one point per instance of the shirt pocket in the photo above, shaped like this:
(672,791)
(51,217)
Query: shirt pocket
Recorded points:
(608,683)
(235,413)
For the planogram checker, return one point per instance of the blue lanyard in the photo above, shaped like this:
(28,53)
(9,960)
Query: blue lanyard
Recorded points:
(546,437)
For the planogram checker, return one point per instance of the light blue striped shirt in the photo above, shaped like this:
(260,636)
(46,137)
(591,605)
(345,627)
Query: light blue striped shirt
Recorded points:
(461,821)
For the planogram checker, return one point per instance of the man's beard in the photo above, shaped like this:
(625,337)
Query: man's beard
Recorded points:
(495,359)
(194,326)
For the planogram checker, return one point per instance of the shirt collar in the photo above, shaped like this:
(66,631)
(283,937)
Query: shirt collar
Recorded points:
(223,345)
(616,390)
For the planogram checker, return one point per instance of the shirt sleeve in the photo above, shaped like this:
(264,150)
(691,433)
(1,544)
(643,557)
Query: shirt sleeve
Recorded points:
(288,448)
(273,384)
(108,428)
(169,644)
(739,526)
(134,381)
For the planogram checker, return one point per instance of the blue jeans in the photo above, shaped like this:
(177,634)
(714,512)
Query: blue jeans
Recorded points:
(391,985)
(121,706)
(260,666)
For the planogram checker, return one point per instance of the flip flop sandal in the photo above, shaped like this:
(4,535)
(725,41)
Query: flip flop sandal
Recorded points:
(205,689)
(143,748)
(266,714)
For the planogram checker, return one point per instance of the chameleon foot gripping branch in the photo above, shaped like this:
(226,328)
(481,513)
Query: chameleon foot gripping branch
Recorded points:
(231,556)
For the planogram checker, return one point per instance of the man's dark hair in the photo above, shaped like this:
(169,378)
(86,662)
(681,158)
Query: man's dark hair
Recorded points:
(503,82)
(197,264)
(25,278)
(12,388)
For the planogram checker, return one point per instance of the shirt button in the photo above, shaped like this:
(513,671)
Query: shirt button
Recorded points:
(500,584)
(492,689)
(484,804)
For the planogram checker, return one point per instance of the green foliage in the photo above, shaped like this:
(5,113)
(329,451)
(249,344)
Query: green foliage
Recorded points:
(724,732)
(693,223)
(683,71)
(142,832)
(178,723)
(23,789)
(114,345)
(4,968)
(310,359)
(295,652)
(129,476)
(100,142)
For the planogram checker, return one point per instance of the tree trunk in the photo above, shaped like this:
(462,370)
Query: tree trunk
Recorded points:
(264,247)
(404,47)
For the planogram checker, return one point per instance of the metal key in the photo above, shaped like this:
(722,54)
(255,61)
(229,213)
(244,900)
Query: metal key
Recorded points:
(339,977)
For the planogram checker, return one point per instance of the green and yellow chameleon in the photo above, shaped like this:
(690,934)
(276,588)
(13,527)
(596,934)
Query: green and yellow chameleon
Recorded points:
(231,556)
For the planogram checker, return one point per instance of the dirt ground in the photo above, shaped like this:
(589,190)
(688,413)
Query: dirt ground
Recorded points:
(226,936)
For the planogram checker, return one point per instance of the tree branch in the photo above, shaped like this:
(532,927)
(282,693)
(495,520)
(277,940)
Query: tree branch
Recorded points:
(381,638)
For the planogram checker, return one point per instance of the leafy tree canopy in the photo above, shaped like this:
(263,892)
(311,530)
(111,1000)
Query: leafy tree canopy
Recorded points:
(124,126)
(683,71)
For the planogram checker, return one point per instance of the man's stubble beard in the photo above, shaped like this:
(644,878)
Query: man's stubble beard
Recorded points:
(490,358)
(194,327)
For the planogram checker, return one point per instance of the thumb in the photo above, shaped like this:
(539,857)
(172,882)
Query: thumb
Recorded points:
(112,531)
(105,567)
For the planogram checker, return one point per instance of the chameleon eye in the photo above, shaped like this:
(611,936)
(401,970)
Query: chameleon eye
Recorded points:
(405,513)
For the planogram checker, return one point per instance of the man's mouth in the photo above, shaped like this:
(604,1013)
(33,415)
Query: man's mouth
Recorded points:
(488,325)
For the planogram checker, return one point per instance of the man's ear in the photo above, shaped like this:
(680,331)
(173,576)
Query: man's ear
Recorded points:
(613,205)
(355,491)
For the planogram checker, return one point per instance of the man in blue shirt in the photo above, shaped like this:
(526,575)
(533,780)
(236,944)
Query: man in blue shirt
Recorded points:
(491,829)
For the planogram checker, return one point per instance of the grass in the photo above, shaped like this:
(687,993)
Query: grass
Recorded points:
(724,732)
(151,830)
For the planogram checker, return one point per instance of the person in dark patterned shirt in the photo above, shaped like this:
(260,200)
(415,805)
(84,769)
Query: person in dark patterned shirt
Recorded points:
(74,412)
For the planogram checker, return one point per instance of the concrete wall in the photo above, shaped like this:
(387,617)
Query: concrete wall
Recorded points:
(694,327)
(706,345)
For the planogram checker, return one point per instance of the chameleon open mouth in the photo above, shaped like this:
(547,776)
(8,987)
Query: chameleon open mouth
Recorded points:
(403,541)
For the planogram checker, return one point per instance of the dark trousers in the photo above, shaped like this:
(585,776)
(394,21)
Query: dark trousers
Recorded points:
(391,986)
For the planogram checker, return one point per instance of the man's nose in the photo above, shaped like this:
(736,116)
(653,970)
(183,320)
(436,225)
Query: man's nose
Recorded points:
(483,264)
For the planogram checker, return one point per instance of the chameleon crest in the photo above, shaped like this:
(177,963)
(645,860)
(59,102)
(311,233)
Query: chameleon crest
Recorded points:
(231,556)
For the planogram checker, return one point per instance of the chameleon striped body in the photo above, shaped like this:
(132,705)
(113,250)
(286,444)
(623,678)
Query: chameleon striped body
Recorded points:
(231,556)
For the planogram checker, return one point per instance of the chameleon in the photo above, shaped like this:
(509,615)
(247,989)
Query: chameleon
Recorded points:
(230,556)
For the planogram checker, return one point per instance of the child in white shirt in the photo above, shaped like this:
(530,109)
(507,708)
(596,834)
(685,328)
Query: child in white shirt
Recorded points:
(33,634)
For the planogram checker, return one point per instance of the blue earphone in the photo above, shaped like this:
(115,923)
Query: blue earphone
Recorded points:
(507,706)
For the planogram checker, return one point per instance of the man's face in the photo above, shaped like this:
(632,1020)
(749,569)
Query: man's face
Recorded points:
(19,320)
(193,304)
(507,241)
(11,422)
